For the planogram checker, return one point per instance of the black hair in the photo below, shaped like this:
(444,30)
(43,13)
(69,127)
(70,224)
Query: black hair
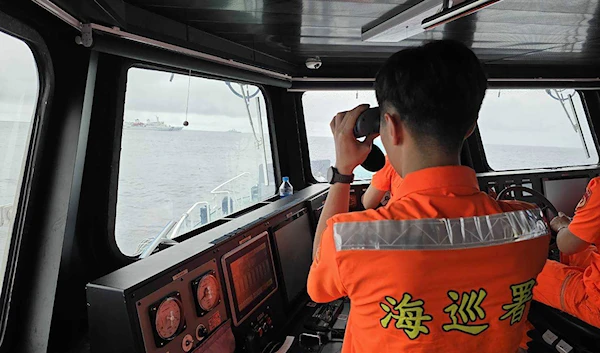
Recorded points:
(437,90)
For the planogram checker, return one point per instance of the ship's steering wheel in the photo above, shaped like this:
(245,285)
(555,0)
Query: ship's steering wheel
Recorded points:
(548,209)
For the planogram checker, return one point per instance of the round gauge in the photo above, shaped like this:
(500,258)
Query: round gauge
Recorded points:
(168,318)
(207,293)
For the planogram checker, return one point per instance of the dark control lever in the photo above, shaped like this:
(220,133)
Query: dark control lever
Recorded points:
(251,343)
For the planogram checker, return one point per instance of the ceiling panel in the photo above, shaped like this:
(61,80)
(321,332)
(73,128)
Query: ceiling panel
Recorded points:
(512,31)
(331,8)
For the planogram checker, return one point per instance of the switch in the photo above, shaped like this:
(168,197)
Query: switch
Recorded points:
(187,343)
(251,344)
(549,337)
(201,332)
(564,347)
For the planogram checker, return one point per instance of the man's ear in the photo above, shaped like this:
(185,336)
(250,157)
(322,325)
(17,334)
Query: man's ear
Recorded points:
(396,128)
(471,130)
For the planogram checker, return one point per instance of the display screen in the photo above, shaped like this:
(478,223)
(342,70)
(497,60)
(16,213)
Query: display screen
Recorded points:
(565,194)
(294,248)
(250,276)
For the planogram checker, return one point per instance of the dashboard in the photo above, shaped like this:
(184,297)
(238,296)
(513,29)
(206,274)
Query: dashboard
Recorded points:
(191,308)
(563,188)
(246,288)
(239,290)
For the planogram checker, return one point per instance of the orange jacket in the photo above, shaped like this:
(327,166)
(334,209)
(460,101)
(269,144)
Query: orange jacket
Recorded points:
(387,179)
(433,281)
(586,226)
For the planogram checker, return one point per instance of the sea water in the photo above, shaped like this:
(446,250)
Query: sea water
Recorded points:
(162,174)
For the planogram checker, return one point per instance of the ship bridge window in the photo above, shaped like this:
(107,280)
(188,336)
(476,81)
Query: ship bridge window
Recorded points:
(536,128)
(19,89)
(319,108)
(193,150)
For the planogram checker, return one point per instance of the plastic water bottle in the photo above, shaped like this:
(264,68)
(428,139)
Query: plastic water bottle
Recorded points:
(286,189)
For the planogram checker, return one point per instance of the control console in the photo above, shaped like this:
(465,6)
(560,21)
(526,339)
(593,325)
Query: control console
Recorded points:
(251,281)
(181,316)
(259,331)
(236,294)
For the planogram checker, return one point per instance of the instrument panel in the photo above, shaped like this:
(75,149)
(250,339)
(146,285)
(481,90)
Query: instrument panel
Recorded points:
(179,317)
(199,296)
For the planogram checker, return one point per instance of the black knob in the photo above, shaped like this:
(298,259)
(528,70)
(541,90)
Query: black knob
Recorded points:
(251,343)
(201,332)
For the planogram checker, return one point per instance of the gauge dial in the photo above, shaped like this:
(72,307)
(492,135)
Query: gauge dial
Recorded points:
(168,318)
(207,293)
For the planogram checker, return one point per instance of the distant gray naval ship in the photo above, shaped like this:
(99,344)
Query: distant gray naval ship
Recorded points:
(151,125)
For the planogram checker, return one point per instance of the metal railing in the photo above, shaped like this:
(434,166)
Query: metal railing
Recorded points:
(159,239)
(212,208)
(235,200)
(185,218)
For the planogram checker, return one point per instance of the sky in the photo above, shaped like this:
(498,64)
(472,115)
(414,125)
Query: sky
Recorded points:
(212,105)
(18,80)
(517,117)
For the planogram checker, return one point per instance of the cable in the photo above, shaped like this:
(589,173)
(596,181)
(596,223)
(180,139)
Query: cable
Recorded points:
(276,346)
(267,346)
(247,104)
(562,99)
(187,102)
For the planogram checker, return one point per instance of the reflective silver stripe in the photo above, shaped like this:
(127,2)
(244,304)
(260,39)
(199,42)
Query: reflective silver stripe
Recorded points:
(441,233)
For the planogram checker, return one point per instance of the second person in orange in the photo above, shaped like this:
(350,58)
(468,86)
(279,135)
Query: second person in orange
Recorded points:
(573,284)
(383,186)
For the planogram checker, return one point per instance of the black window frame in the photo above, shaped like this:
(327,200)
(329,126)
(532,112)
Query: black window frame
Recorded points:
(14,283)
(119,138)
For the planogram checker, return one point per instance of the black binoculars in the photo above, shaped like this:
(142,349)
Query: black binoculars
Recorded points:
(367,124)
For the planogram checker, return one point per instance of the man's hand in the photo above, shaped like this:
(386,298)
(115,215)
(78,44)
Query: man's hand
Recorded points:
(560,222)
(349,152)
(568,243)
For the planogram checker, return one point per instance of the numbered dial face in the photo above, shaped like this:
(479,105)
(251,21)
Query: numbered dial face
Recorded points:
(207,293)
(168,318)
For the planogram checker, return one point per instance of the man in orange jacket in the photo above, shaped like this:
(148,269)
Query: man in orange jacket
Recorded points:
(573,284)
(384,182)
(443,267)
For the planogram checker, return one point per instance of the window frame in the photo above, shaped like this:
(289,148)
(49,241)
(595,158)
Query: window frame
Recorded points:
(481,148)
(308,173)
(14,282)
(118,139)
(479,158)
